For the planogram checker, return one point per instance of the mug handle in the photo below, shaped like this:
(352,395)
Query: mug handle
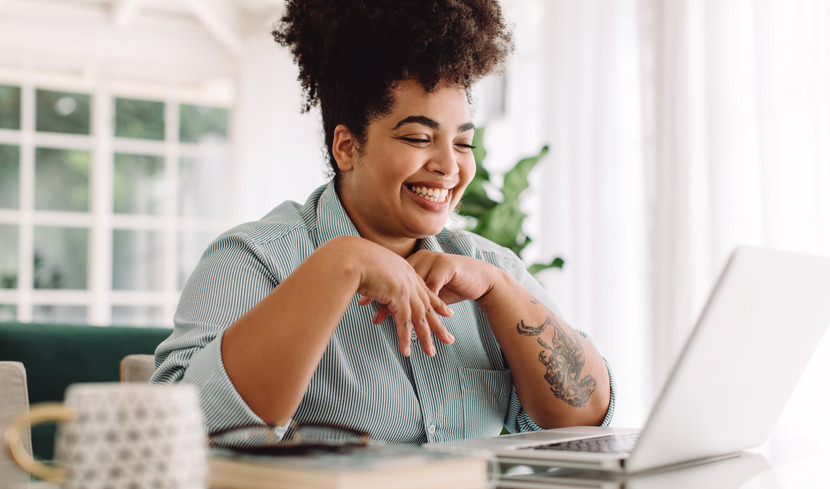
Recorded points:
(13,438)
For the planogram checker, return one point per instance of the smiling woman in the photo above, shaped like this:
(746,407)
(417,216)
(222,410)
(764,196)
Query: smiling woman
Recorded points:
(359,308)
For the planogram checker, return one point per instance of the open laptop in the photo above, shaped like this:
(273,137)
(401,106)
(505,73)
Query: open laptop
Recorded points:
(760,326)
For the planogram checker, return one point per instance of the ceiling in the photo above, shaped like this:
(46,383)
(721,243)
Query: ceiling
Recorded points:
(227,21)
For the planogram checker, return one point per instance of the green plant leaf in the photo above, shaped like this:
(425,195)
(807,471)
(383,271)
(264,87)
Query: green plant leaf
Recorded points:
(516,179)
(501,222)
(503,225)
(538,267)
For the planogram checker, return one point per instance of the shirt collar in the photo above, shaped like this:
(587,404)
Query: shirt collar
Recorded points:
(430,243)
(332,220)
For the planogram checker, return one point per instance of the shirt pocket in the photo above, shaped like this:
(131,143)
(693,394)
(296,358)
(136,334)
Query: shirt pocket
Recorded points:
(485,396)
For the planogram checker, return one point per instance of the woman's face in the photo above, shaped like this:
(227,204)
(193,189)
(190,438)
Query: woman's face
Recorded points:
(413,168)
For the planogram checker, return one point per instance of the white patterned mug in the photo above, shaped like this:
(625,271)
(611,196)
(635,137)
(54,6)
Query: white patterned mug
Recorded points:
(120,435)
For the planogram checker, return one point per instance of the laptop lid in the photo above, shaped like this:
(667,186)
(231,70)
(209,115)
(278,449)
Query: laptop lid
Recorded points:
(742,361)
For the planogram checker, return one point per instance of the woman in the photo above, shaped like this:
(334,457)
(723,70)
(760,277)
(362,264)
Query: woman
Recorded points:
(358,308)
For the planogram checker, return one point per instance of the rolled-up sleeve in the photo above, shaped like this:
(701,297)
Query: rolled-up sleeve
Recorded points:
(229,280)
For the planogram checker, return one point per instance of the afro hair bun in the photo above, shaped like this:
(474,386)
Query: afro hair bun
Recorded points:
(341,45)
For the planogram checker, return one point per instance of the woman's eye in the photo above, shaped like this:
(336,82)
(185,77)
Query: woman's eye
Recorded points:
(414,140)
(465,146)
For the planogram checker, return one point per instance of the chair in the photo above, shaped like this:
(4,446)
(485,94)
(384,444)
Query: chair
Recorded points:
(14,400)
(59,355)
(137,368)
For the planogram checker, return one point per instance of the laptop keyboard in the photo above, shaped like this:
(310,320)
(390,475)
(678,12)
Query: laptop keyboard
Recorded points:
(603,444)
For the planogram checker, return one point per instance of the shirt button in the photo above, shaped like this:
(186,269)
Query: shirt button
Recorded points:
(431,429)
(413,335)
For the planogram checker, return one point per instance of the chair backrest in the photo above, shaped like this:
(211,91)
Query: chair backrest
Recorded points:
(137,368)
(14,400)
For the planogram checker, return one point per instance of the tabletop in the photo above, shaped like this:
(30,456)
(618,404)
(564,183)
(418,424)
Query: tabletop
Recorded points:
(795,456)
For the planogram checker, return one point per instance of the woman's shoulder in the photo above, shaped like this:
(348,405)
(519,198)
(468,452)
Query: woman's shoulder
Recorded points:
(461,242)
(285,219)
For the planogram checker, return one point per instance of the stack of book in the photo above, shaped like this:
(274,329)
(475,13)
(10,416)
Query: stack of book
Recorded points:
(373,466)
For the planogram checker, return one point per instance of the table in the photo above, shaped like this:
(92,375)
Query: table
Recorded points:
(795,456)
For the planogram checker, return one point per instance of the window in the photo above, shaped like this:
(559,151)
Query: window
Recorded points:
(107,199)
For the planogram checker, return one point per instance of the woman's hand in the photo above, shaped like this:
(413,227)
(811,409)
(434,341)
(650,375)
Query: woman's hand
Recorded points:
(454,278)
(400,291)
(450,278)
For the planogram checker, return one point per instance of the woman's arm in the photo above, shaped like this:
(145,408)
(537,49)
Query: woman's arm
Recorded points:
(559,376)
(271,353)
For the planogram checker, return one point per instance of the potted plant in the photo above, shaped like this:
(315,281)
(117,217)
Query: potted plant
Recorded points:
(501,221)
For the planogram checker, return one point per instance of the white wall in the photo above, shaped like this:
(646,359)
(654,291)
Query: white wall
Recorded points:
(279,150)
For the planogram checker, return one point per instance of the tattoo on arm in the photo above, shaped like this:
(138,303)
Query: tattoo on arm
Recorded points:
(526,330)
(564,359)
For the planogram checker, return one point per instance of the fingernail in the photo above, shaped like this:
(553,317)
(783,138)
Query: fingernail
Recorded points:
(406,352)
(452,338)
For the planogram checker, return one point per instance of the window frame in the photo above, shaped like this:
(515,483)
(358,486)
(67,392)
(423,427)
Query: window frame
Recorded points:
(101,220)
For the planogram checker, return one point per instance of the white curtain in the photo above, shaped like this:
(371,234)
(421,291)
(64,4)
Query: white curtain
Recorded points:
(678,130)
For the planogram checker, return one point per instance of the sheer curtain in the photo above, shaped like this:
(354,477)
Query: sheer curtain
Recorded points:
(678,130)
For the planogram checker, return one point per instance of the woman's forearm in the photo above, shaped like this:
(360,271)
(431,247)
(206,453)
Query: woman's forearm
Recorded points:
(559,376)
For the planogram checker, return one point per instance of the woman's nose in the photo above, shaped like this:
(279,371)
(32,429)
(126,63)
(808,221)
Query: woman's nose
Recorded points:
(443,160)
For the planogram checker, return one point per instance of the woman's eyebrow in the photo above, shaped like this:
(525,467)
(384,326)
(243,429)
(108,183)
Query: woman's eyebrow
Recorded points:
(431,123)
(419,119)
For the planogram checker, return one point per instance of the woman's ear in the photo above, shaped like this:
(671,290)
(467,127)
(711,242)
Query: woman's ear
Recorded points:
(344,148)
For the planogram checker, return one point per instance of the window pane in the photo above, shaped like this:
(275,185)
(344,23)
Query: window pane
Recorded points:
(204,187)
(191,247)
(9,176)
(8,258)
(59,314)
(9,107)
(8,312)
(200,122)
(137,260)
(60,258)
(62,179)
(141,119)
(62,112)
(140,316)
(138,184)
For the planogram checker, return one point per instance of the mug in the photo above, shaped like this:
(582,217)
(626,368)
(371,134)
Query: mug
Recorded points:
(130,435)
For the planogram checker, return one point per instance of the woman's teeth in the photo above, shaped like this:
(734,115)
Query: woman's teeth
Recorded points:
(436,195)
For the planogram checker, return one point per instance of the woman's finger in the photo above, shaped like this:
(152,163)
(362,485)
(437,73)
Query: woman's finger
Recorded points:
(403,325)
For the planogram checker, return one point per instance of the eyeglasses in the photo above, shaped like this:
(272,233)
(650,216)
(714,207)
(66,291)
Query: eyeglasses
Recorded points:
(299,438)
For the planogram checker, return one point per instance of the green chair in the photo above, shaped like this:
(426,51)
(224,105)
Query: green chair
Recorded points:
(57,355)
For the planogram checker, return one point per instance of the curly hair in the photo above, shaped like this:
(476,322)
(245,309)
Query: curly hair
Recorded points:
(351,54)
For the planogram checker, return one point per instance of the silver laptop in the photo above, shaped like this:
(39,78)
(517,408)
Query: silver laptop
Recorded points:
(760,326)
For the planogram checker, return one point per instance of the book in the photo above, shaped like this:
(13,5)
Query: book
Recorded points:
(372,466)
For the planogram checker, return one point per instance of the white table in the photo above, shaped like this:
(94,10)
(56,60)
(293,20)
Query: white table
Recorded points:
(795,457)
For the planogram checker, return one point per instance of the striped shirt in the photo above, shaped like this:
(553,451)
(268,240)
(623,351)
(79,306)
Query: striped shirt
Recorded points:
(362,380)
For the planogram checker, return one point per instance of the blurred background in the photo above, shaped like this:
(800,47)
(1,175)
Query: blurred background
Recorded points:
(132,132)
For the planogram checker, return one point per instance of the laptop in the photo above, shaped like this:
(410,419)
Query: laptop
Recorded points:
(726,391)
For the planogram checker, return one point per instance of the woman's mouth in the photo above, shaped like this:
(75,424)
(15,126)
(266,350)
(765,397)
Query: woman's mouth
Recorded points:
(436,195)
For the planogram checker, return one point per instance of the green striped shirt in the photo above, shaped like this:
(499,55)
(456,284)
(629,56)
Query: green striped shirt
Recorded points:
(362,380)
